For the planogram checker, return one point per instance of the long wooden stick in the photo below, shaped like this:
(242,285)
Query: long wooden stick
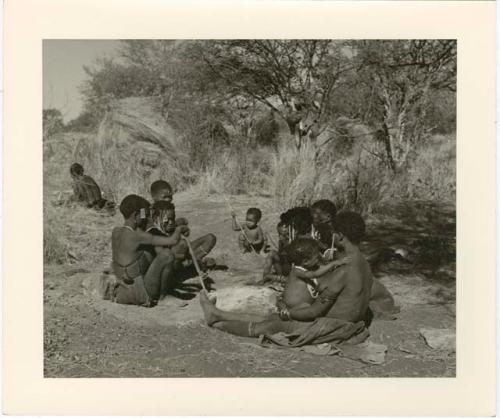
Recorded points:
(196,265)
(240,225)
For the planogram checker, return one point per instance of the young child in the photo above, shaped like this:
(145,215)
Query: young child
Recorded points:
(307,267)
(86,190)
(161,190)
(252,237)
(140,280)
(164,223)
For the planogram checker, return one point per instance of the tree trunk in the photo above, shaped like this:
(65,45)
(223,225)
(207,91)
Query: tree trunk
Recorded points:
(386,138)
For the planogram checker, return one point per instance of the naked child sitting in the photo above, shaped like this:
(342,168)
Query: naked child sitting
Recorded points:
(252,237)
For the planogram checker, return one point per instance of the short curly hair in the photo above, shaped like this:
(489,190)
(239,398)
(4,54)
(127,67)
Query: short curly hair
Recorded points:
(351,224)
(301,250)
(76,169)
(326,206)
(299,218)
(131,204)
(256,212)
(159,185)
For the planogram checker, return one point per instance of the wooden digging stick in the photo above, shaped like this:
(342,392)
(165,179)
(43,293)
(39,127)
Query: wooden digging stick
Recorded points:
(196,265)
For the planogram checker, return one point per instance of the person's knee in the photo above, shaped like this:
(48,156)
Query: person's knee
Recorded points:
(211,240)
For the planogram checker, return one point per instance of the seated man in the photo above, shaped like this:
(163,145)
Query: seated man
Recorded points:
(165,224)
(86,190)
(338,312)
(140,280)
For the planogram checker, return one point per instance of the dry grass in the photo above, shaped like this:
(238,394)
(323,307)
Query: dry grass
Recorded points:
(237,170)
(134,146)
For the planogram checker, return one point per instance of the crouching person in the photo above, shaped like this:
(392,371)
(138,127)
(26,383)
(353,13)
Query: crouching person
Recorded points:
(140,279)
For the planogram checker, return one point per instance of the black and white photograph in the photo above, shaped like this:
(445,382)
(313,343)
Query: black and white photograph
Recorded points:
(249,208)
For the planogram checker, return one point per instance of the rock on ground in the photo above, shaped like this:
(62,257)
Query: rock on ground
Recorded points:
(439,339)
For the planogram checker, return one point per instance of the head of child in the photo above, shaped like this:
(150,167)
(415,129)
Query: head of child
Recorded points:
(349,227)
(135,210)
(76,170)
(323,211)
(304,252)
(253,217)
(164,216)
(161,191)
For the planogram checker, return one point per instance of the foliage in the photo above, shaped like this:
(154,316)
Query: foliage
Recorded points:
(349,120)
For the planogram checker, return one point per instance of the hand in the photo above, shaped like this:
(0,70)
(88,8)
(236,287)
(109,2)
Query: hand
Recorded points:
(184,230)
(177,233)
(181,221)
(342,261)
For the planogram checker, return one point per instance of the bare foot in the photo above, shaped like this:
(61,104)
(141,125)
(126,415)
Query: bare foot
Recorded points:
(209,309)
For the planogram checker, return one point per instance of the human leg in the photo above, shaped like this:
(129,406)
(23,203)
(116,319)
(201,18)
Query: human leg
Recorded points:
(243,243)
(203,245)
(213,314)
(246,325)
(160,278)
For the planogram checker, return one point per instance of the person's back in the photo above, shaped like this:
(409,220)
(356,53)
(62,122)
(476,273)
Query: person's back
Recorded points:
(124,245)
(92,190)
(296,292)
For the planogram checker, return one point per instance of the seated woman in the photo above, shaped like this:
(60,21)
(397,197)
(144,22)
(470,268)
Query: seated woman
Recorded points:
(382,304)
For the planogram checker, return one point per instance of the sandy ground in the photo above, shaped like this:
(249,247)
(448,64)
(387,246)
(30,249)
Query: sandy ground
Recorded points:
(88,337)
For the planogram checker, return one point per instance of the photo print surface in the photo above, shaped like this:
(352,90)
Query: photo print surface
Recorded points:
(249,208)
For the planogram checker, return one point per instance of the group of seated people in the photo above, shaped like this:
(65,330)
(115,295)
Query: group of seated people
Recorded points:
(328,283)
(152,247)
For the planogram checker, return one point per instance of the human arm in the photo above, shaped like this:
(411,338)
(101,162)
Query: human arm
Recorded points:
(236,227)
(323,303)
(322,270)
(157,240)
